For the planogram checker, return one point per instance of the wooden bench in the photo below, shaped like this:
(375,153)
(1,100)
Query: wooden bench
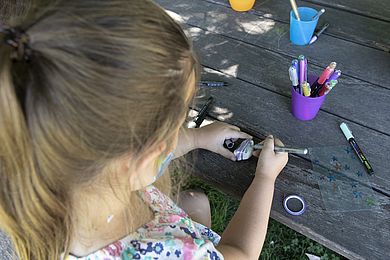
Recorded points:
(252,52)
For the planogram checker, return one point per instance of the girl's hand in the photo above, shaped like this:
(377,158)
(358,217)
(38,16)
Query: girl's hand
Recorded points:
(270,164)
(211,137)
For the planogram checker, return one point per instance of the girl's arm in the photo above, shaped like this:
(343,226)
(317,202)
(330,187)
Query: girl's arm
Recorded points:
(186,141)
(209,137)
(244,236)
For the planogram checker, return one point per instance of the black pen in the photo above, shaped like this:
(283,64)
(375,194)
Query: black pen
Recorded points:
(356,148)
(317,34)
(206,83)
(203,112)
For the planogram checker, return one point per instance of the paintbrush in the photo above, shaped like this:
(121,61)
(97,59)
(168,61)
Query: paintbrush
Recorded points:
(295,9)
(284,149)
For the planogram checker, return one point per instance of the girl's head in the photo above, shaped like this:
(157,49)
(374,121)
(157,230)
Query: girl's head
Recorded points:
(107,82)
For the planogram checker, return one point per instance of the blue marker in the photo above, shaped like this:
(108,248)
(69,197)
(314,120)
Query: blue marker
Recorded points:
(295,65)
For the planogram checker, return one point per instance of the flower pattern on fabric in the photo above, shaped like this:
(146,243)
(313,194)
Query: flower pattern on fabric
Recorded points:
(170,235)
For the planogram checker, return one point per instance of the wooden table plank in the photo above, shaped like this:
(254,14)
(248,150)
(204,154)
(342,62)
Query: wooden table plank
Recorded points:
(274,35)
(378,9)
(228,55)
(355,235)
(262,112)
(251,54)
(367,228)
(346,25)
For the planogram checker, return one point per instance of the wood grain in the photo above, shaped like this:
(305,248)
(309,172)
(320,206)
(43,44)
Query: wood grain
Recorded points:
(377,9)
(355,235)
(344,24)
(367,64)
(261,112)
(351,98)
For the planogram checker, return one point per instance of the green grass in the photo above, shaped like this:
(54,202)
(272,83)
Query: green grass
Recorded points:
(281,242)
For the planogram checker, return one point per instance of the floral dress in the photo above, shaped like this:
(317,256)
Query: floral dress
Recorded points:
(170,235)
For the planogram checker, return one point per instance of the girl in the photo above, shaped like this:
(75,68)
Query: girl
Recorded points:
(93,95)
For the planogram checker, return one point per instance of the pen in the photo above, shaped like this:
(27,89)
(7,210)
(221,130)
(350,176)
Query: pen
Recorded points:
(325,88)
(283,149)
(328,86)
(318,14)
(206,83)
(356,148)
(324,76)
(295,9)
(335,75)
(306,89)
(326,73)
(302,69)
(294,63)
(317,34)
(203,112)
(293,77)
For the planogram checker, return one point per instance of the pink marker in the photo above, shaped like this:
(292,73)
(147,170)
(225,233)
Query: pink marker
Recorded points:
(327,72)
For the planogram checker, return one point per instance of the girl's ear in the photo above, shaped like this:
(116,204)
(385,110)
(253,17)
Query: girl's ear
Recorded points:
(151,156)
(144,172)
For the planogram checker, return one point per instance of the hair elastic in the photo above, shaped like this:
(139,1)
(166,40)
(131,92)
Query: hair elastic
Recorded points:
(17,39)
(297,198)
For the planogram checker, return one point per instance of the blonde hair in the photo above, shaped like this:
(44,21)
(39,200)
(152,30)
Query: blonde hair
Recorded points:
(105,78)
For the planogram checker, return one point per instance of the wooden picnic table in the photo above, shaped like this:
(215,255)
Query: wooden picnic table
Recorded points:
(252,52)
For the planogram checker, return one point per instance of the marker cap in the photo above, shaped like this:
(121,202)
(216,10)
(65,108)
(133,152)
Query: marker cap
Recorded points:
(294,205)
(346,131)
(293,76)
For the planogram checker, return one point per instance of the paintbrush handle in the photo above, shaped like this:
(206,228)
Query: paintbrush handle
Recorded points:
(283,149)
(295,9)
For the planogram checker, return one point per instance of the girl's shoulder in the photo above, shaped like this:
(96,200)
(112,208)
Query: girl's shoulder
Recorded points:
(170,235)
(166,237)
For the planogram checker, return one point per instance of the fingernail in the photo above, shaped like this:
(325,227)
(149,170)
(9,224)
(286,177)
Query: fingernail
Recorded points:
(271,136)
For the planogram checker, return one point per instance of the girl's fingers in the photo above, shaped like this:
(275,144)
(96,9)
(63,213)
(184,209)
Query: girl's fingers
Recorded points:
(227,154)
(256,153)
(238,134)
(236,128)
(278,142)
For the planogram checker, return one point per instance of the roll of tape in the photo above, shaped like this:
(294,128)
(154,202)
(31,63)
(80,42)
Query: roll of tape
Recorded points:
(299,207)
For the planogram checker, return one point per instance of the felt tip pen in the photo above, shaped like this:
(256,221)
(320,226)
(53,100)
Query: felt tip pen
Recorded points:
(306,89)
(302,69)
(315,17)
(292,72)
(327,87)
(317,34)
(335,75)
(348,134)
(284,149)
(324,89)
(295,64)
(203,112)
(205,83)
(326,73)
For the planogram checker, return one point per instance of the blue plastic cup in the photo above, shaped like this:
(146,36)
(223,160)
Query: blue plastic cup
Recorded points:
(302,31)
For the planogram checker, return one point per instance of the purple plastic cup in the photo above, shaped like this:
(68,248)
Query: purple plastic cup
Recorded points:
(305,108)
